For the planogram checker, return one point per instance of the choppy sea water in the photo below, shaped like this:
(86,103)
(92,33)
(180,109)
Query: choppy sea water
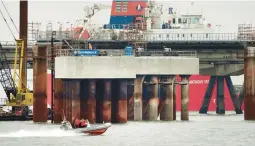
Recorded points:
(201,130)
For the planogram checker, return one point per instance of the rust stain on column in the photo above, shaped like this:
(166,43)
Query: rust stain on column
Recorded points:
(249,84)
(64,98)
(75,86)
(174,102)
(23,21)
(58,100)
(185,97)
(153,100)
(167,110)
(70,100)
(122,102)
(40,111)
(91,102)
(68,103)
(130,102)
(138,90)
(107,105)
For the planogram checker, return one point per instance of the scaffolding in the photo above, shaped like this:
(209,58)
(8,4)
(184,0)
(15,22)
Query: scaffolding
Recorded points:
(33,31)
(136,36)
(246,32)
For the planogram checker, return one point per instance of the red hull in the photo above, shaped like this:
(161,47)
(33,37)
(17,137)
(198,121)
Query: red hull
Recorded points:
(197,88)
(96,132)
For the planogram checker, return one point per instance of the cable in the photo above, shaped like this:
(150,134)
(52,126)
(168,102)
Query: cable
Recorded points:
(10,16)
(7,25)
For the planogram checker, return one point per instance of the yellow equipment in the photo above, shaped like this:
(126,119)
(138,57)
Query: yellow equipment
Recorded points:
(23,96)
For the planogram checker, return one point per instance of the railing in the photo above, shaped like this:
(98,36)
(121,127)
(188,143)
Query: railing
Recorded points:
(70,52)
(13,43)
(152,36)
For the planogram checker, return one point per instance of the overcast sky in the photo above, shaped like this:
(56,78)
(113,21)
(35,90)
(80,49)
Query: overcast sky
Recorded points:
(226,13)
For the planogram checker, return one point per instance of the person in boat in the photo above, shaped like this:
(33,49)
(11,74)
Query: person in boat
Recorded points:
(80,123)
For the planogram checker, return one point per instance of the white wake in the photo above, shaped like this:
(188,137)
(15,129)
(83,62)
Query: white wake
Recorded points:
(39,133)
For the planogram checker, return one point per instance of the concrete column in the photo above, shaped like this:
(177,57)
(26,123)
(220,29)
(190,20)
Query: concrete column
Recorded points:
(249,84)
(130,102)
(107,105)
(58,100)
(138,91)
(167,110)
(184,97)
(122,102)
(174,102)
(40,111)
(153,100)
(75,99)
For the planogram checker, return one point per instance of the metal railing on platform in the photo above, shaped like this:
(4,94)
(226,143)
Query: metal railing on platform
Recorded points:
(113,52)
(13,43)
(149,36)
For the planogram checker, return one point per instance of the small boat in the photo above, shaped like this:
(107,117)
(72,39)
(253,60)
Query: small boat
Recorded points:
(96,129)
(87,128)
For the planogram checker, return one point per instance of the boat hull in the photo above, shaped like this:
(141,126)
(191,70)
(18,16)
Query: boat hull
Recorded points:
(94,129)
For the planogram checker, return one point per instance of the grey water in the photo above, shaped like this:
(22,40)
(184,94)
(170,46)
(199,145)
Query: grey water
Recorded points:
(200,130)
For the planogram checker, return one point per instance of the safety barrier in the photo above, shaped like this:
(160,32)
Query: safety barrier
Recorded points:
(13,43)
(152,36)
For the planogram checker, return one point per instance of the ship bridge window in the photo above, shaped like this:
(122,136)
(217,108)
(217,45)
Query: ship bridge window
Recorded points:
(124,6)
(173,20)
(194,20)
(118,6)
(179,20)
(184,21)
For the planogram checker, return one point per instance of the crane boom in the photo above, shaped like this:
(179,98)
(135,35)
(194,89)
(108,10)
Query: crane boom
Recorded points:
(6,79)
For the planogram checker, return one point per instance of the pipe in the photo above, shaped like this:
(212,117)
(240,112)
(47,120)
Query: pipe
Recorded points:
(107,105)
(153,100)
(249,84)
(58,100)
(167,110)
(138,91)
(122,102)
(91,102)
(40,111)
(185,97)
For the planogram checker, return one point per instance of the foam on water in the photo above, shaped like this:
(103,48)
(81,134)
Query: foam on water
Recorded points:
(40,133)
